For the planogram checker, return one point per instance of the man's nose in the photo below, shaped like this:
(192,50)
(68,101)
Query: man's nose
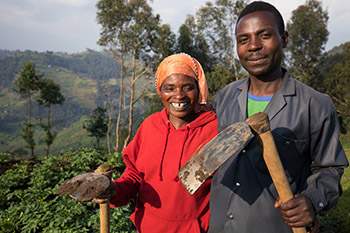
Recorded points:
(254,44)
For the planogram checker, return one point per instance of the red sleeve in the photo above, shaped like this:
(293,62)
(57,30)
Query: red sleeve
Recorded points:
(128,184)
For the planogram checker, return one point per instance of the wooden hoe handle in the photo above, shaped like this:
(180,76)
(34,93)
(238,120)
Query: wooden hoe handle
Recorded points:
(260,125)
(104,207)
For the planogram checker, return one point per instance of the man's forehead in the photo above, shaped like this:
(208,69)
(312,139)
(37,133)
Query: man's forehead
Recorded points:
(256,21)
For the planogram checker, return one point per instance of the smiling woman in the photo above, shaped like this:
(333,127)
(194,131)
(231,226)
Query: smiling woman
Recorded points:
(163,143)
(181,83)
(179,95)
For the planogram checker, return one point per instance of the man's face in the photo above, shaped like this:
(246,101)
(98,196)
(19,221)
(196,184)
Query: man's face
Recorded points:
(260,45)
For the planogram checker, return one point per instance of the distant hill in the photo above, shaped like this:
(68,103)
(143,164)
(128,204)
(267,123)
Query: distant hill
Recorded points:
(80,77)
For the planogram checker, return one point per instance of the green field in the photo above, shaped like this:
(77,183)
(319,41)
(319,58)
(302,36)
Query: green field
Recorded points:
(338,220)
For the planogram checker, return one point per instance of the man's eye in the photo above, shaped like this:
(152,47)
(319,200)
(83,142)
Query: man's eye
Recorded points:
(266,36)
(243,40)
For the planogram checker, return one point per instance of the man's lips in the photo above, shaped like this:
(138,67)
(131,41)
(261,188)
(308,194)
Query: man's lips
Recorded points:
(256,57)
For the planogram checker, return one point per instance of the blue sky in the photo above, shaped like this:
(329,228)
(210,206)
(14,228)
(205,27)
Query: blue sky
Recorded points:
(70,25)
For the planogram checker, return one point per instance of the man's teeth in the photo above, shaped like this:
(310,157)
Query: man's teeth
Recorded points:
(178,105)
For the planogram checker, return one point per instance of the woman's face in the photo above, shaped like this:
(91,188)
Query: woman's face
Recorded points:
(179,95)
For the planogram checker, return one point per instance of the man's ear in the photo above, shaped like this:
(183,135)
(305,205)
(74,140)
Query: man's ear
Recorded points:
(285,37)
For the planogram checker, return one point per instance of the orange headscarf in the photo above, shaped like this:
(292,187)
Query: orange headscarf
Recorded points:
(184,64)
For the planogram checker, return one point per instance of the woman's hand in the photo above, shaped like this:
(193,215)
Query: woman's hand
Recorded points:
(109,194)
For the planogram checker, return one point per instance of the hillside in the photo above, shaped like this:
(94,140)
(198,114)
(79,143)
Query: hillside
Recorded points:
(80,77)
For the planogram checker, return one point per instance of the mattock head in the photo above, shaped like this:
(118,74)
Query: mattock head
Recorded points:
(87,186)
(259,123)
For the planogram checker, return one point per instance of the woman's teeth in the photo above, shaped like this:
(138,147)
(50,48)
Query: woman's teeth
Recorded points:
(178,105)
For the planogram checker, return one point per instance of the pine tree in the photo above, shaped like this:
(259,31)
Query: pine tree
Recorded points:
(97,124)
(27,84)
(50,94)
(308,36)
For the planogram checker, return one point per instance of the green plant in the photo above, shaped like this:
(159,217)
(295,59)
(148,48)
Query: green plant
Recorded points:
(29,203)
(338,220)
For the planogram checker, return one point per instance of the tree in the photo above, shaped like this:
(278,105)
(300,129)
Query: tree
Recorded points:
(308,35)
(109,104)
(163,44)
(128,28)
(139,40)
(97,124)
(216,23)
(218,78)
(27,84)
(335,81)
(115,17)
(209,36)
(190,41)
(50,94)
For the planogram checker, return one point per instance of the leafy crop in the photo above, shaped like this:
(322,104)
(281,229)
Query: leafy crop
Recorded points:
(28,199)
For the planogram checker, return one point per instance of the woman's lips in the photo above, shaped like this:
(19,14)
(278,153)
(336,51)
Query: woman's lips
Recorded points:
(179,105)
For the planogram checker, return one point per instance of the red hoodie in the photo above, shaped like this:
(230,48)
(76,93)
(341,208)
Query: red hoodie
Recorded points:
(152,160)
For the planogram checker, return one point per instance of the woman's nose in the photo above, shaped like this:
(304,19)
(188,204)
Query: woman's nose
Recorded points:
(179,93)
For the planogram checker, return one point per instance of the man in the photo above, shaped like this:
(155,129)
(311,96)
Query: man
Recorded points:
(305,127)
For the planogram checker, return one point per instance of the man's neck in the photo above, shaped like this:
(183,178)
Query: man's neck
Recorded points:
(265,86)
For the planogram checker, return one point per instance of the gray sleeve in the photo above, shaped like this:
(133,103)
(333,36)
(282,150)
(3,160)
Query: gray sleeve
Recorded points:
(328,163)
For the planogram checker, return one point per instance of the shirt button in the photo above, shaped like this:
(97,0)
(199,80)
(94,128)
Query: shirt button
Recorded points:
(244,151)
(287,143)
(320,204)
(238,184)
(230,216)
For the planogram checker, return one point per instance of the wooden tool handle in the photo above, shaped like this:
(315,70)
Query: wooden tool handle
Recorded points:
(260,126)
(104,217)
(275,167)
(104,207)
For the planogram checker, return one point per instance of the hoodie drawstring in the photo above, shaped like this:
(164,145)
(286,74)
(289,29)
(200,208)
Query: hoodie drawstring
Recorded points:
(176,179)
(164,149)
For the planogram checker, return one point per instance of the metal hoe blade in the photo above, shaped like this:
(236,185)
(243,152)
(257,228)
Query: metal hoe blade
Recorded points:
(203,164)
(85,186)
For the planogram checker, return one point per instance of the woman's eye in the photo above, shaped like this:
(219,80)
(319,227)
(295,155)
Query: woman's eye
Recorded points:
(188,88)
(168,89)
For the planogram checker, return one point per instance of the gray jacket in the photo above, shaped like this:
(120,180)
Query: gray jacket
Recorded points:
(306,130)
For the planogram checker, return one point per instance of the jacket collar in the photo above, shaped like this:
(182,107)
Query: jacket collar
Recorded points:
(277,102)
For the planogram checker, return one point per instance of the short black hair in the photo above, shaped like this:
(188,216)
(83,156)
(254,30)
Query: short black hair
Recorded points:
(263,6)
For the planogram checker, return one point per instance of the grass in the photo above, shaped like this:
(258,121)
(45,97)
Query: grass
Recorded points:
(338,220)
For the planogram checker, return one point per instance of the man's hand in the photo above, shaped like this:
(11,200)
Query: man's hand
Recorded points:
(315,227)
(110,193)
(298,212)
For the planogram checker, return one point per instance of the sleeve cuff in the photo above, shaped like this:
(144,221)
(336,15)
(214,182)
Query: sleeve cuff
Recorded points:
(318,202)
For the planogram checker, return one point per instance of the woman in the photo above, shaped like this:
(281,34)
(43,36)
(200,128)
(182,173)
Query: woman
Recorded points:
(163,143)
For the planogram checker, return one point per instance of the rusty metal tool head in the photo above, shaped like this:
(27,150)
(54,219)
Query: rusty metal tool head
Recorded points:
(208,159)
(87,186)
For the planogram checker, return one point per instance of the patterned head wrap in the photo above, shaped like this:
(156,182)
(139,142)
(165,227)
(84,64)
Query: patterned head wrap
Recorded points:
(184,64)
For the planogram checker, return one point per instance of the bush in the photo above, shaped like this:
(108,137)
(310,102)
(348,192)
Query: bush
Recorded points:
(29,203)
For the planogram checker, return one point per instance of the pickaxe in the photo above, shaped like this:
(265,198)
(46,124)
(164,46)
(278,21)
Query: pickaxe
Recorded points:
(203,164)
(87,186)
